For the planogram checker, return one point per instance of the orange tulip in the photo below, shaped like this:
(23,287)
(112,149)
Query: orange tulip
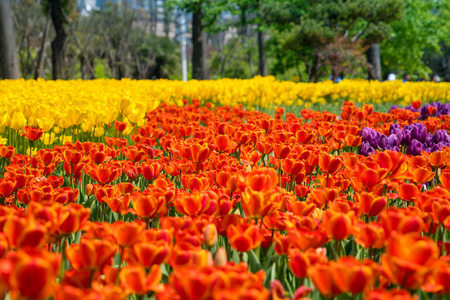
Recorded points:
(445,179)
(440,211)
(370,235)
(407,191)
(304,239)
(282,244)
(298,263)
(125,233)
(191,283)
(353,140)
(222,223)
(329,164)
(33,133)
(195,204)
(199,153)
(438,158)
(68,292)
(281,150)
(20,232)
(118,203)
(223,143)
(365,178)
(370,204)
(120,126)
(322,277)
(300,208)
(137,281)
(397,294)
(244,237)
(438,279)
(292,167)
(195,182)
(72,157)
(301,190)
(72,218)
(351,275)
(263,179)
(210,235)
(148,206)
(104,174)
(322,196)
(151,171)
(394,220)
(258,204)
(133,154)
(337,225)
(7,151)
(422,175)
(264,147)
(407,260)
(6,187)
(90,254)
(33,276)
(394,162)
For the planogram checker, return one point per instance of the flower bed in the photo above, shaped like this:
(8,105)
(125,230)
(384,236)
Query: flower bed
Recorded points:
(203,202)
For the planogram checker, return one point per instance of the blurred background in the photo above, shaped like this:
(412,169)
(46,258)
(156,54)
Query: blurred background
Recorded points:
(299,40)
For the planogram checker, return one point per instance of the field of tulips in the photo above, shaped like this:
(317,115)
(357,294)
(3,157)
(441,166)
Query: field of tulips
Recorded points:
(109,192)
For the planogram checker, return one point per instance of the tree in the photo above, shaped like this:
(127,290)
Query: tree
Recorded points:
(9,66)
(199,45)
(251,14)
(204,15)
(422,28)
(58,9)
(309,27)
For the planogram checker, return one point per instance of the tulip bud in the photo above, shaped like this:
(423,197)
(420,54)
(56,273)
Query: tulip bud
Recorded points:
(120,126)
(18,121)
(89,189)
(220,258)
(210,234)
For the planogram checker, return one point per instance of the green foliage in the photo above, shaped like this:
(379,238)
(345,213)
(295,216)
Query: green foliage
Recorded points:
(67,5)
(327,35)
(211,10)
(232,61)
(423,26)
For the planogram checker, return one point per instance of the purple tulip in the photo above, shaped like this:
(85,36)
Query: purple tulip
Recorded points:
(366,149)
(414,148)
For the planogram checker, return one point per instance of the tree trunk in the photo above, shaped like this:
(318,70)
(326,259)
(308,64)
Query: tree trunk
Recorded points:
(262,54)
(199,51)
(39,71)
(9,64)
(373,58)
(334,74)
(60,39)
(314,74)
(167,22)
(153,16)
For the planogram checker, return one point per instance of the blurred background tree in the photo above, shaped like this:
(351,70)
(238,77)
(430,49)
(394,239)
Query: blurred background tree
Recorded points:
(301,40)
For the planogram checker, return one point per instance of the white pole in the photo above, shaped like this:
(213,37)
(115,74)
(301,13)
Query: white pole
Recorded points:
(183,47)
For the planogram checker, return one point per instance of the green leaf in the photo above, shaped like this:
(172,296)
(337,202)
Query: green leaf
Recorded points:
(269,257)
(255,264)
(270,275)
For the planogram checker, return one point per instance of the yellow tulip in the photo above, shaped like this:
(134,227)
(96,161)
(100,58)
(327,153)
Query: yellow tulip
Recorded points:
(32,151)
(48,138)
(99,131)
(45,124)
(18,121)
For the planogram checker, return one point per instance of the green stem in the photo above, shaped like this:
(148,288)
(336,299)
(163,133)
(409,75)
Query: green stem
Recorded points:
(120,264)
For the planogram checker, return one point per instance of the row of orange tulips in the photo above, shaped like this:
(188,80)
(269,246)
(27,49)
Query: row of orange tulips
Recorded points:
(226,203)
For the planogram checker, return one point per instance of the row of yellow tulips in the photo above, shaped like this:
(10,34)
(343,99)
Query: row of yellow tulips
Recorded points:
(91,104)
